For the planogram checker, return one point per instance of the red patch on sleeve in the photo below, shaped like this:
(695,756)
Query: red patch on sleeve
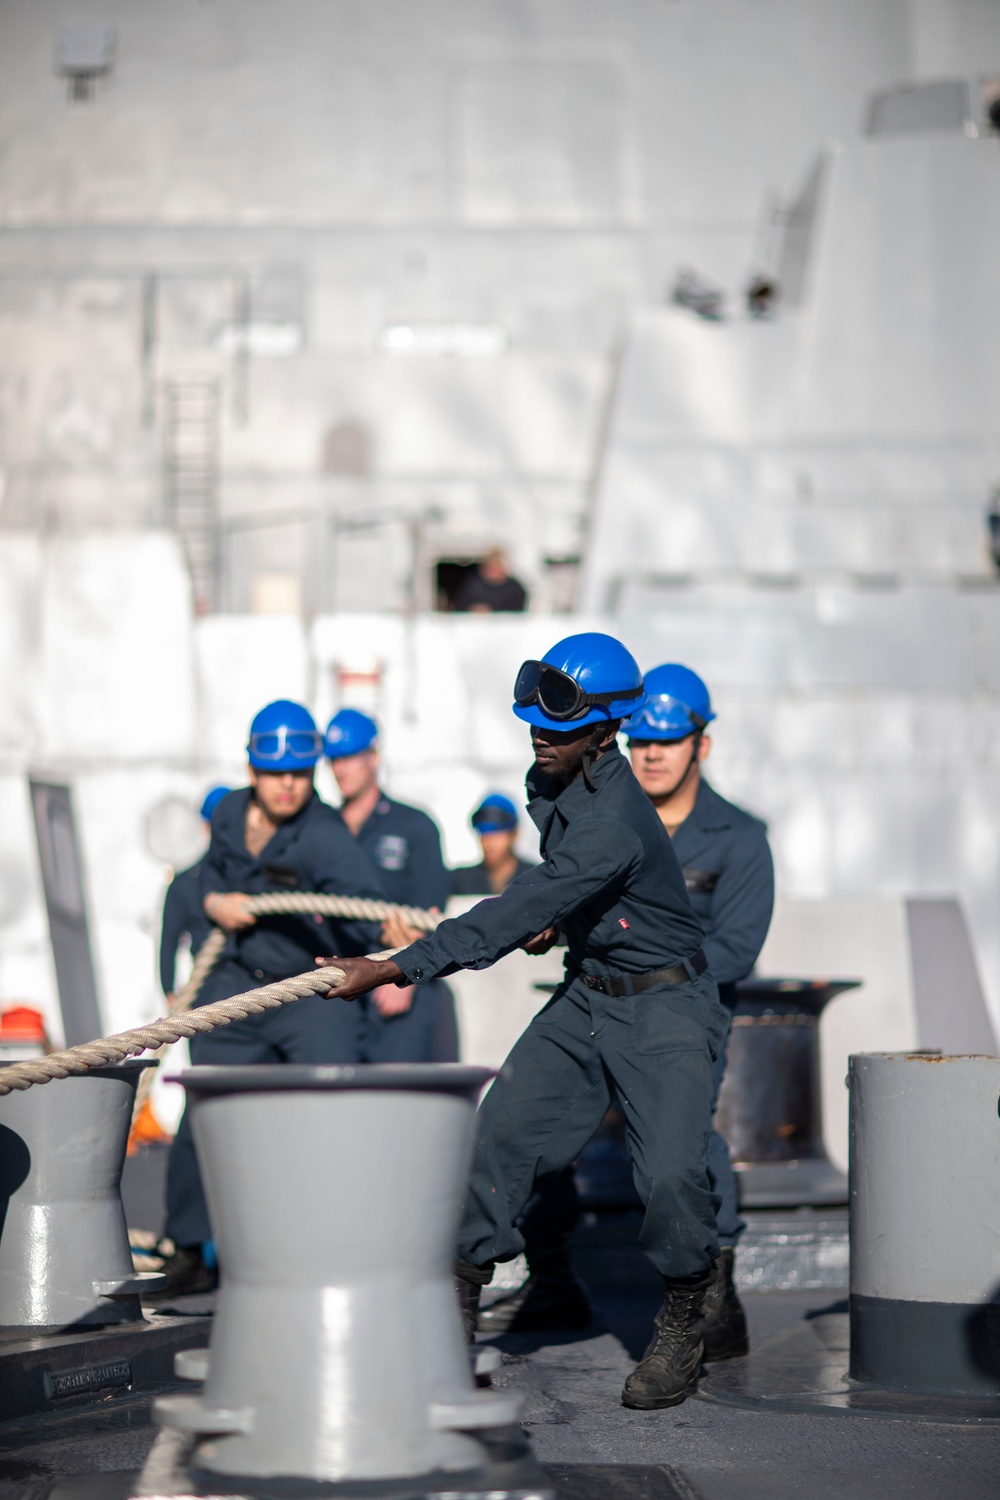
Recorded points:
(622,923)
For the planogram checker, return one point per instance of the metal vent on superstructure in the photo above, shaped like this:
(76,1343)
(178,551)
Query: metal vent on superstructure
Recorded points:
(84,52)
(191,476)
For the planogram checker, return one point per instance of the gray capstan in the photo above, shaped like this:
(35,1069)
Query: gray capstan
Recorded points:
(64,1252)
(337,1351)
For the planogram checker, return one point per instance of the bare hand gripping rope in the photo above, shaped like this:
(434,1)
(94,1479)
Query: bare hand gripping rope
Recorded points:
(186,1022)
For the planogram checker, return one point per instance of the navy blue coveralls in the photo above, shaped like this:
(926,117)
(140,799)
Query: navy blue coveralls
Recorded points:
(314,851)
(404,845)
(183,914)
(729,876)
(610,880)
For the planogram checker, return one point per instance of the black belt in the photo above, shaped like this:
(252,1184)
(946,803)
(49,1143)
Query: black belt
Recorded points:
(634,984)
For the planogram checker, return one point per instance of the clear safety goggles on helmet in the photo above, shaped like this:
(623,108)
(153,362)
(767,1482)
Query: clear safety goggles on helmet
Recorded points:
(663,713)
(297,744)
(559,695)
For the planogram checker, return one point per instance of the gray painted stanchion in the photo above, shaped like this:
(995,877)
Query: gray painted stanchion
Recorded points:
(337,1351)
(64,1251)
(925,1223)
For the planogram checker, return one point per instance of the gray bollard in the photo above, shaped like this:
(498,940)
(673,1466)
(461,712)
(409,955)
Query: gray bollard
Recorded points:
(337,1351)
(64,1253)
(925,1223)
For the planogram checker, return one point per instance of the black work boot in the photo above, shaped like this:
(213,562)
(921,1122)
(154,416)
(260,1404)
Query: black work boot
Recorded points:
(724,1321)
(670,1365)
(187,1274)
(469,1283)
(552,1297)
(541,1302)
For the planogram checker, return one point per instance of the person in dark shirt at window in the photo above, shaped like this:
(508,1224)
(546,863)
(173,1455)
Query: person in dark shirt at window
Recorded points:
(491,589)
(495,822)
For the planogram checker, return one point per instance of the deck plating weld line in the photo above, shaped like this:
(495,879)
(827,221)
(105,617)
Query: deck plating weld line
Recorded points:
(925,1223)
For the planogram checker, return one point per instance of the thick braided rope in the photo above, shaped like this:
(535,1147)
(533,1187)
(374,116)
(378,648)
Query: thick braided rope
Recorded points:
(356,908)
(204,962)
(274,903)
(113,1049)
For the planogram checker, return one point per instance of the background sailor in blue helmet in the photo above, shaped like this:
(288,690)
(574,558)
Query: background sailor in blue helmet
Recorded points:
(274,835)
(415,1023)
(729,874)
(637,1017)
(183,914)
(495,823)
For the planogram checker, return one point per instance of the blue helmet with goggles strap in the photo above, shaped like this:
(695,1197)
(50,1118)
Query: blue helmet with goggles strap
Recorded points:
(585,679)
(677,705)
(284,737)
(348,733)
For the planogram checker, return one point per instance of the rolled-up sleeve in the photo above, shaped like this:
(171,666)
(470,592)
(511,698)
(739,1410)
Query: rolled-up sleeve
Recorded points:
(593,855)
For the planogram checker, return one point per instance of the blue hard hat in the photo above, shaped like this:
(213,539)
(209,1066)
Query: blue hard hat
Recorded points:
(212,800)
(585,679)
(284,737)
(348,733)
(495,814)
(677,705)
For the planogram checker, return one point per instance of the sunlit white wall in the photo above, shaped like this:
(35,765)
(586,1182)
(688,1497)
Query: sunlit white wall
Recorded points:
(257,193)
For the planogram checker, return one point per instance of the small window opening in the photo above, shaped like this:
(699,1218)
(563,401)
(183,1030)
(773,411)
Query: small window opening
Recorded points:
(450,575)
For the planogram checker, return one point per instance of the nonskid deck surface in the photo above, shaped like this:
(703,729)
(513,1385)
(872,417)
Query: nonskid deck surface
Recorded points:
(588,1445)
